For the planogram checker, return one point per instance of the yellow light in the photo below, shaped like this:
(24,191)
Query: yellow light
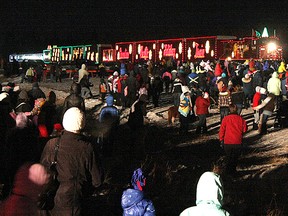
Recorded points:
(271,47)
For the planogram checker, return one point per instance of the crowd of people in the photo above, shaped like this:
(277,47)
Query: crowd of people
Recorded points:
(31,125)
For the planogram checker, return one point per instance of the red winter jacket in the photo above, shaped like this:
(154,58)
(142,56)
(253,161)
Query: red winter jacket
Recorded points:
(256,99)
(232,128)
(202,105)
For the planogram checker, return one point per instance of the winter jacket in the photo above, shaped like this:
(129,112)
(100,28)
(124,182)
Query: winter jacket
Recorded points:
(248,88)
(78,170)
(35,93)
(23,104)
(134,203)
(238,97)
(274,84)
(185,105)
(257,80)
(282,68)
(209,197)
(224,99)
(232,128)
(202,105)
(256,99)
(74,99)
(82,72)
(28,184)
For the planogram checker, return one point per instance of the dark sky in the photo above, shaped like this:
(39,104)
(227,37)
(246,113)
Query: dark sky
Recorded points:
(32,25)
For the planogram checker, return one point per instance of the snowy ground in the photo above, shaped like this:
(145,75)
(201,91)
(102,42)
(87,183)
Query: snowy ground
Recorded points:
(174,163)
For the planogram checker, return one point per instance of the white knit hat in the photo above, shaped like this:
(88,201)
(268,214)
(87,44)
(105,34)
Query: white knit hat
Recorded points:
(74,120)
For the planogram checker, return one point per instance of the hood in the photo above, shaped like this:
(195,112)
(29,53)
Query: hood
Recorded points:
(83,67)
(209,190)
(23,95)
(75,88)
(131,196)
(275,74)
(35,85)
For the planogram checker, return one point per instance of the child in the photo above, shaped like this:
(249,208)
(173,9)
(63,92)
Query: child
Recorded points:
(133,201)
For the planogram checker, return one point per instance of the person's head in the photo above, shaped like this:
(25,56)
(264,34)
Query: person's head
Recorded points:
(22,120)
(74,120)
(75,88)
(138,179)
(232,109)
(35,85)
(52,97)
(219,166)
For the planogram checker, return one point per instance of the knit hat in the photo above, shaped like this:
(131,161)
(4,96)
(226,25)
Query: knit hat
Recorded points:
(109,100)
(74,120)
(115,73)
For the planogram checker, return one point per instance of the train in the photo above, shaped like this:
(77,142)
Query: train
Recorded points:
(190,49)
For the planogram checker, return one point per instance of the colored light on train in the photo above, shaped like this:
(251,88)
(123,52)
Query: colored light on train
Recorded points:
(207,46)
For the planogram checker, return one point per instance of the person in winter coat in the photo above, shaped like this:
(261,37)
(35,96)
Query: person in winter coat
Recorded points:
(35,93)
(184,109)
(23,102)
(268,105)
(156,89)
(132,86)
(83,71)
(257,99)
(257,80)
(109,118)
(238,97)
(224,100)
(274,87)
(167,78)
(29,182)
(133,200)
(85,87)
(74,99)
(209,194)
(202,104)
(232,128)
(77,164)
(247,89)
(102,89)
(30,74)
(176,91)
(21,147)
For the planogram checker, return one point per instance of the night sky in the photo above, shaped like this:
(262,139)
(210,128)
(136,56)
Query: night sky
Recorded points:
(29,26)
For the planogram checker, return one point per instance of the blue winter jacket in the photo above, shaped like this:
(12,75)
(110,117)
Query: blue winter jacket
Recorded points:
(134,203)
